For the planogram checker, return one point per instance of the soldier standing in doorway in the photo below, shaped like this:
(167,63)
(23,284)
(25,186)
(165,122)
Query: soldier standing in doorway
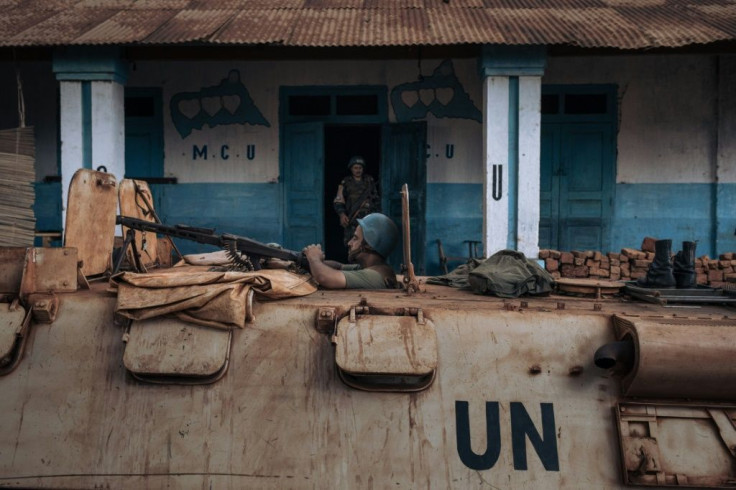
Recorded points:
(357,197)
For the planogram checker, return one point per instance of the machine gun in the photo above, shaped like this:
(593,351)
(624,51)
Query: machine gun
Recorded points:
(245,253)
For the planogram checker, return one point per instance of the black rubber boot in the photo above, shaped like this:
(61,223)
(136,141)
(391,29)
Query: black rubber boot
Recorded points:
(659,274)
(684,267)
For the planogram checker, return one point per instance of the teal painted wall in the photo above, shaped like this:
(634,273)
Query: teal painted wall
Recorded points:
(454,213)
(677,211)
(47,206)
(251,210)
(681,212)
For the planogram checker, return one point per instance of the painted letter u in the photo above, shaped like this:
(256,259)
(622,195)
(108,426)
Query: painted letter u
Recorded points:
(472,460)
(497,190)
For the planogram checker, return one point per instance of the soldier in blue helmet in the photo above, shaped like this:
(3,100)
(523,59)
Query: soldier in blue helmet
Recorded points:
(372,242)
(357,196)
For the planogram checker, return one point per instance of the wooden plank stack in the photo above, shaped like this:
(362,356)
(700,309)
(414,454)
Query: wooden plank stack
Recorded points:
(17,194)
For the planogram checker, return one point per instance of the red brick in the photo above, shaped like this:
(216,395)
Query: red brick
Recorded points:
(647,245)
(715,275)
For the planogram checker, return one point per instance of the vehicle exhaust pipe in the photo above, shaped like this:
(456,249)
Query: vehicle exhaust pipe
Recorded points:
(618,356)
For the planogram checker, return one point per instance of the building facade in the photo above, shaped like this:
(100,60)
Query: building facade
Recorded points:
(521,147)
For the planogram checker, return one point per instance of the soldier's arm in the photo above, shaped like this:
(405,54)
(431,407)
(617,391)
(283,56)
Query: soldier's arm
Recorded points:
(339,202)
(322,272)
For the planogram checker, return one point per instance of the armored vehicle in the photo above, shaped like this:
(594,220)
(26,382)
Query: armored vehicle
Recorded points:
(188,377)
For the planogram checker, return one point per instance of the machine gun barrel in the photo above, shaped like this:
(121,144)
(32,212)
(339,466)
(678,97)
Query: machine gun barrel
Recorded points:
(245,245)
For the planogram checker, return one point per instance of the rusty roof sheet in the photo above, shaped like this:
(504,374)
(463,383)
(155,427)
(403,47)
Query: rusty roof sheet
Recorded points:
(624,24)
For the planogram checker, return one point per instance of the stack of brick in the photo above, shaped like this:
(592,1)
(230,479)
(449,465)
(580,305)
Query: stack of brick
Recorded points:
(631,264)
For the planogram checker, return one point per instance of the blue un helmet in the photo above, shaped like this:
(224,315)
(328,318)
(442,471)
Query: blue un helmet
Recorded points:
(356,160)
(380,233)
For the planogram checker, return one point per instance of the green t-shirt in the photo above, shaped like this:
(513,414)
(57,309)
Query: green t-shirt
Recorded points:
(357,278)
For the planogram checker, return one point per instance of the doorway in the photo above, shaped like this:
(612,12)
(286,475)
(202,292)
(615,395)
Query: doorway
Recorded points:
(341,143)
(577,167)
(144,141)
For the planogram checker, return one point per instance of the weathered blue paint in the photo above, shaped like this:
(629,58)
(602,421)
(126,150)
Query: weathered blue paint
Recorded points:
(577,170)
(302,150)
(470,458)
(517,61)
(47,206)
(79,63)
(86,124)
(513,163)
(144,136)
(404,161)
(725,218)
(251,210)
(232,104)
(522,428)
(454,214)
(682,212)
(443,79)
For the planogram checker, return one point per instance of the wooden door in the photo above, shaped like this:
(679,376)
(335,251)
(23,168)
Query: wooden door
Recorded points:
(404,161)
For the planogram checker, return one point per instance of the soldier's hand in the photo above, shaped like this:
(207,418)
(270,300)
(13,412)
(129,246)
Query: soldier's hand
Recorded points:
(344,220)
(314,252)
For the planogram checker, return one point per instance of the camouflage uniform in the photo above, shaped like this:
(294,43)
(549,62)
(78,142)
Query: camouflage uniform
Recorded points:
(348,193)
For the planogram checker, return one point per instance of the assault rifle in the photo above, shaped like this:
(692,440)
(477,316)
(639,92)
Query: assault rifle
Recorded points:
(244,252)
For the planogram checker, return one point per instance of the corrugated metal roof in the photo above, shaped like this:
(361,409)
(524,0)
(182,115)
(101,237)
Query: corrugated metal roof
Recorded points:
(625,24)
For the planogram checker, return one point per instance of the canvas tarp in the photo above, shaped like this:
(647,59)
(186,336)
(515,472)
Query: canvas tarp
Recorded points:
(215,299)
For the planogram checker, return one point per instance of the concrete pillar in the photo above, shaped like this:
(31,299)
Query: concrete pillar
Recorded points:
(512,81)
(92,114)
(529,157)
(496,165)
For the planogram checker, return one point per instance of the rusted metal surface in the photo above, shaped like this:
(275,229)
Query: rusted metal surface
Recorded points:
(379,348)
(634,24)
(136,201)
(48,270)
(11,321)
(281,417)
(591,287)
(168,348)
(15,323)
(677,445)
(691,359)
(190,25)
(410,279)
(126,26)
(90,219)
(11,269)
(44,307)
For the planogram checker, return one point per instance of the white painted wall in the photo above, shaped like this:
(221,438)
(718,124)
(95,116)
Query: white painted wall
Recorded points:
(108,127)
(496,152)
(263,79)
(667,113)
(70,115)
(667,127)
(530,93)
(727,120)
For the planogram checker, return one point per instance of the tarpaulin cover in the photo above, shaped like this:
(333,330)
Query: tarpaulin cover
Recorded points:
(215,299)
